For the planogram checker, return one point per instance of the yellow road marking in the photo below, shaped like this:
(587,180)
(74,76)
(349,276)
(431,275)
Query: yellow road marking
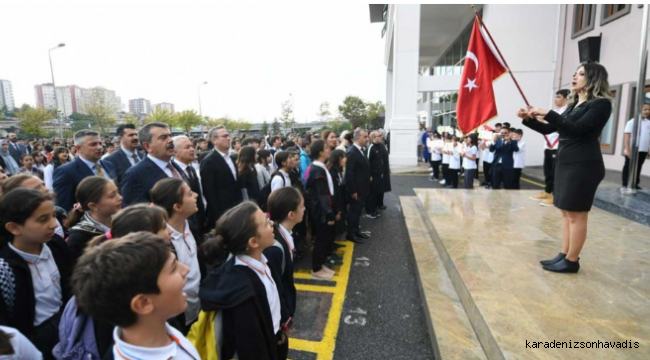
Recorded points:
(315,288)
(533,182)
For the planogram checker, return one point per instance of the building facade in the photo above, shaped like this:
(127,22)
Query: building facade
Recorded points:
(6,95)
(74,99)
(165,106)
(139,106)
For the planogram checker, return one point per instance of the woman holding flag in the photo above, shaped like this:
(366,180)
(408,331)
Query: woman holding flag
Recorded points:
(579,168)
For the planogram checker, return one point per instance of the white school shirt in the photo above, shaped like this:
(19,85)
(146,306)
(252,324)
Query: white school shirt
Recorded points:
(488,157)
(48,176)
(23,348)
(445,157)
(436,144)
(185,246)
(46,281)
(277,182)
(520,156)
(469,164)
(454,160)
(644,134)
(269,285)
(288,237)
(179,349)
(553,140)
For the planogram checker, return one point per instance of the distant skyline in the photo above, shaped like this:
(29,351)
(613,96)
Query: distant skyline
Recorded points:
(253,55)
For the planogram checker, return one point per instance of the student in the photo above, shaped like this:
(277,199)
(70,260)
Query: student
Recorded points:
(643,144)
(15,346)
(74,322)
(519,158)
(179,201)
(283,163)
(294,171)
(469,160)
(487,158)
(60,157)
(263,168)
(305,161)
(39,161)
(39,263)
(247,175)
(454,164)
(135,283)
(98,199)
(27,162)
(242,290)
(336,163)
(435,147)
(445,161)
(320,190)
(286,209)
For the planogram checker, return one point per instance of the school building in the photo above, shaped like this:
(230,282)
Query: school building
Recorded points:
(542,44)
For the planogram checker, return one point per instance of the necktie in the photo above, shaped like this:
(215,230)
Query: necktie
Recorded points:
(190,173)
(135,157)
(175,173)
(100,171)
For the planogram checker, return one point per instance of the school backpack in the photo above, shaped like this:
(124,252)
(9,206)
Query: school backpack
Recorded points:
(263,200)
(76,335)
(206,334)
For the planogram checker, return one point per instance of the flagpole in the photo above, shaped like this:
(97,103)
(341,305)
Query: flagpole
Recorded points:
(480,20)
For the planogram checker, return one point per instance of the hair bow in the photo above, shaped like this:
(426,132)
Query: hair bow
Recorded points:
(78,207)
(109,235)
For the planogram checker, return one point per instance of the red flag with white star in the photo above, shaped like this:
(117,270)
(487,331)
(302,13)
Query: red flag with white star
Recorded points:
(476,104)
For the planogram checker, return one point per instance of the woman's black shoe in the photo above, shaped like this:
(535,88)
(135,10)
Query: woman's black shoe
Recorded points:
(554,260)
(564,266)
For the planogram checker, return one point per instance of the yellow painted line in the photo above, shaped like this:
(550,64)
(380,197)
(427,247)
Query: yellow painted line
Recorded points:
(533,182)
(315,288)
(305,345)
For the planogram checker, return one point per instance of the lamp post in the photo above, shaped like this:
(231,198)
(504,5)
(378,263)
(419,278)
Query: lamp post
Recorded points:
(56,101)
(199,90)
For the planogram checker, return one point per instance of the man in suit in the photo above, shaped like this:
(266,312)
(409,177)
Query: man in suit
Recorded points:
(87,163)
(156,139)
(127,155)
(185,155)
(376,162)
(219,177)
(503,148)
(16,150)
(357,184)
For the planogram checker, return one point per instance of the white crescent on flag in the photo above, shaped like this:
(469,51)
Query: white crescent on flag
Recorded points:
(471,84)
(471,56)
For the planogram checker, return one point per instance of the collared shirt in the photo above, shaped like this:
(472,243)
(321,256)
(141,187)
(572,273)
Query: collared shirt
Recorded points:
(643,141)
(278,183)
(179,349)
(162,165)
(264,273)
(97,224)
(91,165)
(183,167)
(129,155)
(360,149)
(469,164)
(228,160)
(185,246)
(519,156)
(46,281)
(289,238)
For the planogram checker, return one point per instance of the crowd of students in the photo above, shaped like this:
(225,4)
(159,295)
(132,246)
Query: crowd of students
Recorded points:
(172,247)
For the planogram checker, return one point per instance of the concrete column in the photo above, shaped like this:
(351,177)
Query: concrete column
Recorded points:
(389,99)
(406,58)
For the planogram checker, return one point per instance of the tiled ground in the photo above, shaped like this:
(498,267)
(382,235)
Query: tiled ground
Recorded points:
(492,241)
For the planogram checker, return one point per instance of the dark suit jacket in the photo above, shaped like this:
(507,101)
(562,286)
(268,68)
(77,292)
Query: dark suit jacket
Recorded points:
(66,178)
(376,161)
(357,172)
(121,162)
(504,151)
(221,190)
(138,181)
(16,153)
(197,221)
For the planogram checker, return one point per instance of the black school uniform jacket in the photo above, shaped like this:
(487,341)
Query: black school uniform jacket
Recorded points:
(283,280)
(247,322)
(319,200)
(17,302)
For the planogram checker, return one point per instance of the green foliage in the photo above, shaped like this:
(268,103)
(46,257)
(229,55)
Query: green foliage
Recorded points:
(69,134)
(339,126)
(130,119)
(33,120)
(75,116)
(287,114)
(374,110)
(324,111)
(264,129)
(275,126)
(187,120)
(354,109)
(80,125)
(162,116)
(101,114)
(230,124)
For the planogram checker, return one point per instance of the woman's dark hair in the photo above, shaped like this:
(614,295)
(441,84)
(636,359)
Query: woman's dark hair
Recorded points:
(325,134)
(473,138)
(335,160)
(281,157)
(48,148)
(89,190)
(262,155)
(316,148)
(281,202)
(246,160)
(597,85)
(24,156)
(54,160)
(35,154)
(234,228)
(15,182)
(17,206)
(166,193)
(349,137)
(5,344)
(139,217)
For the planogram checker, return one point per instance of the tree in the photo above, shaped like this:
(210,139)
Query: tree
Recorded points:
(373,112)
(338,126)
(324,111)
(33,120)
(354,109)
(264,129)
(287,115)
(80,125)
(275,126)
(130,119)
(102,113)
(162,116)
(187,120)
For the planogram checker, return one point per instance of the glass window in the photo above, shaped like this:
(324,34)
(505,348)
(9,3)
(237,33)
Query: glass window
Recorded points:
(456,58)
(611,12)
(608,135)
(583,19)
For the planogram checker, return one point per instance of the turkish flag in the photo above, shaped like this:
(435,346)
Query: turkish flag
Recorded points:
(476,104)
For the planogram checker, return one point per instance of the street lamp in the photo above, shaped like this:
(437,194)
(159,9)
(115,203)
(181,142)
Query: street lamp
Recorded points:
(199,90)
(56,101)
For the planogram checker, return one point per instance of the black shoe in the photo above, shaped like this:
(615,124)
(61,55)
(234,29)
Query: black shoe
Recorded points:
(383,207)
(362,235)
(559,257)
(564,266)
(338,246)
(355,240)
(638,187)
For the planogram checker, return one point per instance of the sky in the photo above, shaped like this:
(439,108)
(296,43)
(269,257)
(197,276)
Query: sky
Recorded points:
(253,55)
